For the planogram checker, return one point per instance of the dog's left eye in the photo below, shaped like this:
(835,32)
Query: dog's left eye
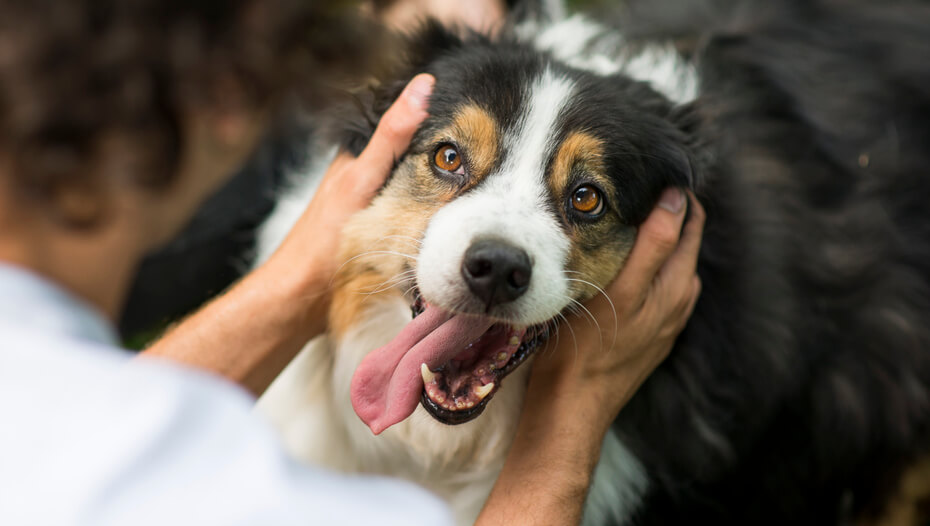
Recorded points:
(447,158)
(587,200)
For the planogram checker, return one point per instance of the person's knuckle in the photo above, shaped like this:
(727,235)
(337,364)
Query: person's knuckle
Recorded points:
(698,214)
(393,128)
(696,286)
(662,237)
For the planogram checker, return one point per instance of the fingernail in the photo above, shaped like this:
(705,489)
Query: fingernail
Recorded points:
(419,90)
(673,199)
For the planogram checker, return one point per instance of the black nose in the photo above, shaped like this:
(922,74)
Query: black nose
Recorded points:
(496,272)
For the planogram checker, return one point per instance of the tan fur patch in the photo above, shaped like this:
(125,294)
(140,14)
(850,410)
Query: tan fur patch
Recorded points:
(476,132)
(598,265)
(381,243)
(909,507)
(578,149)
(600,248)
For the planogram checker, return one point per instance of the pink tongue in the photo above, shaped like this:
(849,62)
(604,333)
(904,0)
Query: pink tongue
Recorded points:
(386,386)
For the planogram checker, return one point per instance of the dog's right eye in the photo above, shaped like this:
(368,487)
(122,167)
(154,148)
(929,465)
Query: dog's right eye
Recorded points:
(447,158)
(587,200)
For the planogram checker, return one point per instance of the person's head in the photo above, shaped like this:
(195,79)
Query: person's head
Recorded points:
(479,15)
(134,110)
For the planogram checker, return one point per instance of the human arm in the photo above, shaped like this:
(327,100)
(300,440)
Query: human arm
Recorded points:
(251,332)
(577,389)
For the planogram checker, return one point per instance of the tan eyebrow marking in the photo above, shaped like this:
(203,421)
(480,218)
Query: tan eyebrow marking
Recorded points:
(477,133)
(577,148)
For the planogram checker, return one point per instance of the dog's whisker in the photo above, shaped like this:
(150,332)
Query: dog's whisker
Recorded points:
(383,289)
(609,302)
(410,240)
(376,253)
(390,283)
(597,325)
(368,253)
(399,236)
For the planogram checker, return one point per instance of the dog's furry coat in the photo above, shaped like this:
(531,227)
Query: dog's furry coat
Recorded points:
(800,390)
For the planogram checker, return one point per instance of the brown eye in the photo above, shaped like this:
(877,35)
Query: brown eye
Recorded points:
(447,158)
(587,199)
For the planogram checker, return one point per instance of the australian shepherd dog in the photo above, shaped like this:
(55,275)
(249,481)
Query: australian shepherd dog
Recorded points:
(799,392)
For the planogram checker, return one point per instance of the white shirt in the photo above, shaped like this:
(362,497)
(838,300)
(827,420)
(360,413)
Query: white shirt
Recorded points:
(90,437)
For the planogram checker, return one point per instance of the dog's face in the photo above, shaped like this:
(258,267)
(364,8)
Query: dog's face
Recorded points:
(518,199)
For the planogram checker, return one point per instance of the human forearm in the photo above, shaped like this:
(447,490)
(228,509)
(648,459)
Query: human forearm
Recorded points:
(251,332)
(550,464)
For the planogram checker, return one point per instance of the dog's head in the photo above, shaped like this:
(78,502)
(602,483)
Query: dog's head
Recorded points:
(518,198)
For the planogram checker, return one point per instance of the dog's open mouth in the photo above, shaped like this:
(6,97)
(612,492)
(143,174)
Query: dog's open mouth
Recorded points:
(459,390)
(451,363)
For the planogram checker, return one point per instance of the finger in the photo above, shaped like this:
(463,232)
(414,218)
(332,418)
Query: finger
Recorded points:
(682,264)
(694,293)
(696,287)
(396,128)
(342,159)
(655,241)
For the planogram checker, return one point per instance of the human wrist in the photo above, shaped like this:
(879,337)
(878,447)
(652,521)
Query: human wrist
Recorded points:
(550,464)
(302,289)
(569,404)
(567,392)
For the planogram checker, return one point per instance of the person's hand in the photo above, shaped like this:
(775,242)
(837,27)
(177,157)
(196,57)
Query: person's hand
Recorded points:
(638,318)
(250,333)
(348,186)
(577,387)
(479,15)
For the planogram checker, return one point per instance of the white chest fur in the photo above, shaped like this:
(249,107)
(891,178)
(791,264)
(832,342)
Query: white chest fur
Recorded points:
(309,403)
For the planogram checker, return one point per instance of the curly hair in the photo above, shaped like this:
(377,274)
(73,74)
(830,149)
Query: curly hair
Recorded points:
(93,89)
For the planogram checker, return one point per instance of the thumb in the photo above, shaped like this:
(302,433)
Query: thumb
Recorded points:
(397,126)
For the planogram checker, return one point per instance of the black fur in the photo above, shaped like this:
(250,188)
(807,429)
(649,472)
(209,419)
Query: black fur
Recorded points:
(809,353)
(800,389)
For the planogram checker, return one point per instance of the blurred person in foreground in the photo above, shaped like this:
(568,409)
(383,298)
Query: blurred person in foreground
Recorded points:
(117,118)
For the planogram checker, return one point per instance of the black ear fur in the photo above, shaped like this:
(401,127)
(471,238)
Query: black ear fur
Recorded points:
(669,156)
(351,124)
(665,163)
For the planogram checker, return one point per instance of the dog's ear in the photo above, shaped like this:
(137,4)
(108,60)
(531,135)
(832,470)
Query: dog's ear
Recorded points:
(670,162)
(669,155)
(666,156)
(351,124)
(683,153)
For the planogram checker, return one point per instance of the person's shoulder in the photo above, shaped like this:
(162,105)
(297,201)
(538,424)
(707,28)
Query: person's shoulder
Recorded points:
(144,441)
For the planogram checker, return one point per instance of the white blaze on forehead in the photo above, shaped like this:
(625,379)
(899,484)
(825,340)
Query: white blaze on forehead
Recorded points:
(529,144)
(585,44)
(511,204)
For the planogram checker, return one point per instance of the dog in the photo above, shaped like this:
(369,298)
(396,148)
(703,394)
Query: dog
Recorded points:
(800,389)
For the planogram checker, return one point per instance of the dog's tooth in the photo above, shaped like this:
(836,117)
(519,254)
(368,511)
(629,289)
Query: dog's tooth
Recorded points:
(482,391)
(514,340)
(428,376)
(501,356)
